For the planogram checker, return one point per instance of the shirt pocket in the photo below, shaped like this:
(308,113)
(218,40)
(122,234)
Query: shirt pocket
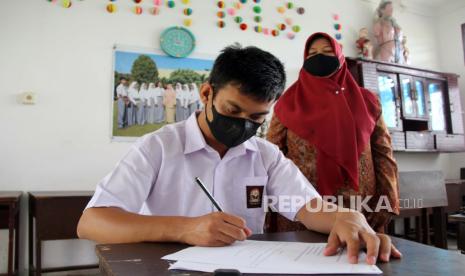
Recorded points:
(249,194)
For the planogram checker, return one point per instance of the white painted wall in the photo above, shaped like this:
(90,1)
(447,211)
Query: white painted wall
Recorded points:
(450,19)
(65,56)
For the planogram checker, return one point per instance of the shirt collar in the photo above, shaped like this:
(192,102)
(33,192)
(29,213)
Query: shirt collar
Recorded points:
(195,141)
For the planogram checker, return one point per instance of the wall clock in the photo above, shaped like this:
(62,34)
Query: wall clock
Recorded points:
(177,42)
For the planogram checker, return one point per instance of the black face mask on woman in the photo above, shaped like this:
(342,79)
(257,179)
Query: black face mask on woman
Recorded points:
(231,131)
(321,65)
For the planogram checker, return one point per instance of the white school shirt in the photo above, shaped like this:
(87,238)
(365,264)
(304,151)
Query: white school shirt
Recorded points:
(160,93)
(121,90)
(152,96)
(144,95)
(156,176)
(134,96)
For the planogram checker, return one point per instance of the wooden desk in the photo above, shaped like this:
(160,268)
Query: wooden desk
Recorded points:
(9,219)
(460,218)
(144,258)
(56,215)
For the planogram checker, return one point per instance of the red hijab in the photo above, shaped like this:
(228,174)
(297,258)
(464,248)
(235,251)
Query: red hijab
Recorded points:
(333,113)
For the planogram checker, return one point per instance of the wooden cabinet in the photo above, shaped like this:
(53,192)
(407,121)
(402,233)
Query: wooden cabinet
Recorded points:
(414,98)
(421,108)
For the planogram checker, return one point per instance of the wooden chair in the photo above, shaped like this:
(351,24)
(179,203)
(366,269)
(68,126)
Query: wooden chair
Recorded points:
(54,215)
(423,193)
(10,203)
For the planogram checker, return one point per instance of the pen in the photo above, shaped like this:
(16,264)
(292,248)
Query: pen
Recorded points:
(208,194)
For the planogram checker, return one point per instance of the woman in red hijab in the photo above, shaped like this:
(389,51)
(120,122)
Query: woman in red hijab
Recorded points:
(334,132)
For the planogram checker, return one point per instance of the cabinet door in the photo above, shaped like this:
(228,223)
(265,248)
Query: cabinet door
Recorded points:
(389,98)
(407,96)
(420,99)
(437,110)
(456,114)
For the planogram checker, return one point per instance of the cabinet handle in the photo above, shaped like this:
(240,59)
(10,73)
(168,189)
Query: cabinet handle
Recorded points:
(452,109)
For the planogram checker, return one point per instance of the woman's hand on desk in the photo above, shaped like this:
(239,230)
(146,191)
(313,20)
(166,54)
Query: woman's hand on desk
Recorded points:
(215,229)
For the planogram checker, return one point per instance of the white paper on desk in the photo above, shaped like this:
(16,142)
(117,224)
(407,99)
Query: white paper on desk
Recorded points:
(269,257)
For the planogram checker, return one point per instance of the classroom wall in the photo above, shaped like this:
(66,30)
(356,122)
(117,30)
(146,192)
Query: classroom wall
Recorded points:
(65,56)
(451,53)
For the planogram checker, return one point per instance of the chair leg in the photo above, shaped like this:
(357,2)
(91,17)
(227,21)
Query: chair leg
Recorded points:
(406,227)
(425,226)
(439,222)
(418,227)
(392,227)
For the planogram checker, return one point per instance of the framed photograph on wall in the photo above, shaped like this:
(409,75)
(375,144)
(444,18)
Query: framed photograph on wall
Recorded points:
(151,89)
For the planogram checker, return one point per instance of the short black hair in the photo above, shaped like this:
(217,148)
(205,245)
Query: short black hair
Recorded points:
(255,72)
(123,78)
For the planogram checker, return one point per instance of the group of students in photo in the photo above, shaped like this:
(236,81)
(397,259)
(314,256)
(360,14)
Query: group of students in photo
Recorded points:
(155,103)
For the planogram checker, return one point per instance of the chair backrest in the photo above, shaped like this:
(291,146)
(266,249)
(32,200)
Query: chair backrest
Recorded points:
(422,189)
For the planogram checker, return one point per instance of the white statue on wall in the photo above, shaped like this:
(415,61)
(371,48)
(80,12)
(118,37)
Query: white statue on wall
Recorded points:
(406,51)
(388,34)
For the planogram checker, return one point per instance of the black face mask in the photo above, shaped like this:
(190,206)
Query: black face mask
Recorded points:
(321,65)
(231,131)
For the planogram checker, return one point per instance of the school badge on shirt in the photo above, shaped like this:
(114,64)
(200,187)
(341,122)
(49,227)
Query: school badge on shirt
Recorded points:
(254,196)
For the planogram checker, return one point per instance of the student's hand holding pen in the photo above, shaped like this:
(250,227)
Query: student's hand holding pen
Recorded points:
(215,229)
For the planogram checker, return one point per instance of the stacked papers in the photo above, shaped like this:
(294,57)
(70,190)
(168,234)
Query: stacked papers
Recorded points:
(269,257)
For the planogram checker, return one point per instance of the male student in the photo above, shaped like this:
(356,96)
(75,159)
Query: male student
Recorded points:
(151,194)
(122,96)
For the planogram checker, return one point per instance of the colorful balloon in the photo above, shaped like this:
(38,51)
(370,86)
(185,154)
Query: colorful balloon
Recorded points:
(221,14)
(238,19)
(137,10)
(171,4)
(231,11)
(155,10)
(187,11)
(66,4)
(111,8)
(296,28)
(187,22)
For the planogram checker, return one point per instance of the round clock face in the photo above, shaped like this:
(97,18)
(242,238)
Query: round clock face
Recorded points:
(177,42)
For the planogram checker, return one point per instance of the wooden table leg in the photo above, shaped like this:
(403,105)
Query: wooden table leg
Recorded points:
(461,237)
(439,222)
(31,237)
(38,257)
(11,225)
(17,234)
